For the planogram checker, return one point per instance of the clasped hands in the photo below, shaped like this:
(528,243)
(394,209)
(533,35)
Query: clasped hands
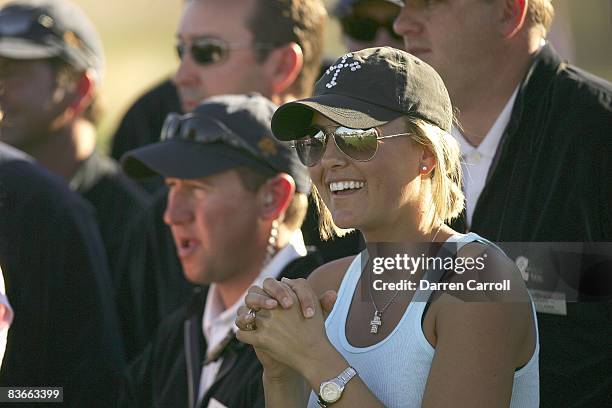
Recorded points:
(288,323)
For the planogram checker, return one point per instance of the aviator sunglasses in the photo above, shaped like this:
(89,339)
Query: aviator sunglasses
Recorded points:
(192,127)
(209,50)
(358,144)
(365,28)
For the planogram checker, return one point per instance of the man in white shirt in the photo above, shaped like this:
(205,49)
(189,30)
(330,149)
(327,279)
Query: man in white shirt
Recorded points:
(535,134)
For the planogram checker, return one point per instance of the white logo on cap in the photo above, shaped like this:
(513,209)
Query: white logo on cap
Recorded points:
(354,66)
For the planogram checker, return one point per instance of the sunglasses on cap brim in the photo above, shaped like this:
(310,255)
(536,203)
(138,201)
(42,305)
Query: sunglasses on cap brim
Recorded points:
(358,144)
(365,29)
(196,128)
(210,50)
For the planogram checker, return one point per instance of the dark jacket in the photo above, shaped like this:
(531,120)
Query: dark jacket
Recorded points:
(167,373)
(116,199)
(65,331)
(551,181)
(142,123)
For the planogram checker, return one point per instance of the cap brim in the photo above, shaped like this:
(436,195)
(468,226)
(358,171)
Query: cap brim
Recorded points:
(290,120)
(184,160)
(19,48)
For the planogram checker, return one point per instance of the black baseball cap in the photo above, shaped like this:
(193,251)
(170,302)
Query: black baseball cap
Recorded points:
(345,7)
(40,29)
(369,88)
(222,133)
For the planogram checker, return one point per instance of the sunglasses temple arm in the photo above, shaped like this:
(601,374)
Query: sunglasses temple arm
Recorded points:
(390,136)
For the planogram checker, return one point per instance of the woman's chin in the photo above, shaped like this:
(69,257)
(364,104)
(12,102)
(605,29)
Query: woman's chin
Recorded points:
(344,220)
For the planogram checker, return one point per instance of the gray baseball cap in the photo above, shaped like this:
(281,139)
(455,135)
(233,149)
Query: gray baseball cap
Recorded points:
(39,29)
(222,133)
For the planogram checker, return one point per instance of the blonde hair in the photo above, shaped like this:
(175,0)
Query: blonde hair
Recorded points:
(447,199)
(541,13)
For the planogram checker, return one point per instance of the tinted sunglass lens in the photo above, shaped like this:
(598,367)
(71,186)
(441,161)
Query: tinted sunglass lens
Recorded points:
(366,29)
(358,144)
(392,34)
(360,29)
(207,53)
(170,126)
(310,148)
(190,129)
(180,50)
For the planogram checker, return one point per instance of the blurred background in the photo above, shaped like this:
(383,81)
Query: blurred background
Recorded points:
(139,39)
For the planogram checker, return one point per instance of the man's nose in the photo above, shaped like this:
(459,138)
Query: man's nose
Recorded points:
(177,210)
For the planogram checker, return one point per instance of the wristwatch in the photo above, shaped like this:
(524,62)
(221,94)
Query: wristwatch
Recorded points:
(330,391)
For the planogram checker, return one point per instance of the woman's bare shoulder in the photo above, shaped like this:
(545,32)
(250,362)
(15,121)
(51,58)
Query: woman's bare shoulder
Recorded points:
(329,276)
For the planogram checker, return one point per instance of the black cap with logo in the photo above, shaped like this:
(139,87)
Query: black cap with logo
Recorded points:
(222,133)
(40,29)
(369,88)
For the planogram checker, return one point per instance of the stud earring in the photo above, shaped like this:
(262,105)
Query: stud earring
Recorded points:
(423,168)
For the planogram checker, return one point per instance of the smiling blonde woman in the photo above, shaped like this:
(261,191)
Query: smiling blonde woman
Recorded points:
(375,137)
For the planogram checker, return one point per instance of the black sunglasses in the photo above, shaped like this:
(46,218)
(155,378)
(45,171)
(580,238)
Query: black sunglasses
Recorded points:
(195,128)
(365,28)
(357,144)
(210,50)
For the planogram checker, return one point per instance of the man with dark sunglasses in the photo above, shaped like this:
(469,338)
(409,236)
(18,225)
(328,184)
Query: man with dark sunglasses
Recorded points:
(536,139)
(368,23)
(236,200)
(258,45)
(273,46)
(51,66)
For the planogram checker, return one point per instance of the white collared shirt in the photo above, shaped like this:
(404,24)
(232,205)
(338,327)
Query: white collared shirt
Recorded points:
(218,321)
(476,161)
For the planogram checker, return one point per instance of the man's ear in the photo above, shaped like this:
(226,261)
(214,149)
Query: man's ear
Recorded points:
(82,94)
(284,64)
(276,195)
(512,14)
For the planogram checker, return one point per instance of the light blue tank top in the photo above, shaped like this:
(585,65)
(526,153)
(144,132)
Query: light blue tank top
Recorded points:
(396,369)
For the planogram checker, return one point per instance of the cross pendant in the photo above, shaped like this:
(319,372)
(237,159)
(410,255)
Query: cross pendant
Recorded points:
(375,323)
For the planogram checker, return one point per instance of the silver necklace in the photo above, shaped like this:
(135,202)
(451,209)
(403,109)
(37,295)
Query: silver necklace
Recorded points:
(376,321)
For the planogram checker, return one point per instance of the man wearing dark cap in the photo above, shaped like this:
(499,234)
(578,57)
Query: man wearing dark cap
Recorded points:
(236,200)
(368,23)
(237,46)
(51,63)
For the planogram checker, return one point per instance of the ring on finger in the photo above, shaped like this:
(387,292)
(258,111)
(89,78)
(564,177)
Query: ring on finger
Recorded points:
(251,326)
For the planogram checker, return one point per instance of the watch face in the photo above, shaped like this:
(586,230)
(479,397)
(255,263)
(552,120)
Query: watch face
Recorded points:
(330,392)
